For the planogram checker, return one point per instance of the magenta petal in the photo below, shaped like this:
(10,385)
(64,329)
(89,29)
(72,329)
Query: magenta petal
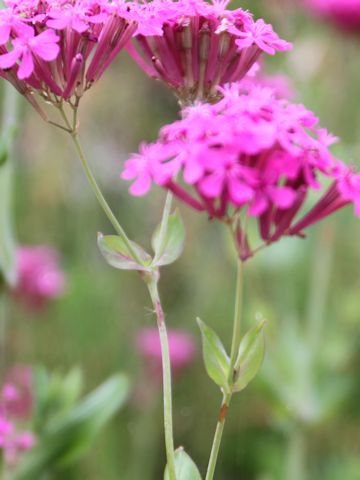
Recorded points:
(141,186)
(8,60)
(4,34)
(27,65)
(283,197)
(258,206)
(239,192)
(212,185)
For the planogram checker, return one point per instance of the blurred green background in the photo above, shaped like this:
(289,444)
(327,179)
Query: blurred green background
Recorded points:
(300,418)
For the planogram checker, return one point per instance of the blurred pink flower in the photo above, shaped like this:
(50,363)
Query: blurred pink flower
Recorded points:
(16,404)
(344,13)
(181,346)
(12,442)
(16,394)
(39,276)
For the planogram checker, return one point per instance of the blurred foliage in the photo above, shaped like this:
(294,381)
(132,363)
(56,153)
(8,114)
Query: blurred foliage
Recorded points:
(304,410)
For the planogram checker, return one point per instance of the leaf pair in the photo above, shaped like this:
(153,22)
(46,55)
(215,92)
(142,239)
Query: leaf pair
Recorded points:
(247,364)
(167,248)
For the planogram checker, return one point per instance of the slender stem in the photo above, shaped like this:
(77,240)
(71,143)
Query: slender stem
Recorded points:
(166,366)
(218,436)
(236,337)
(72,129)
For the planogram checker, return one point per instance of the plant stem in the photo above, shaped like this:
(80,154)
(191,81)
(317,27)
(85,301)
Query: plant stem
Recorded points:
(72,129)
(152,284)
(236,337)
(166,366)
(235,343)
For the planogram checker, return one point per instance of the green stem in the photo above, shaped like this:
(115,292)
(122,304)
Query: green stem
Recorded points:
(236,337)
(235,343)
(72,129)
(166,366)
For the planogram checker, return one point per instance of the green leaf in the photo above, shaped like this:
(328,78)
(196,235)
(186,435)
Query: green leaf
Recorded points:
(70,437)
(185,468)
(169,246)
(117,254)
(7,240)
(215,357)
(250,356)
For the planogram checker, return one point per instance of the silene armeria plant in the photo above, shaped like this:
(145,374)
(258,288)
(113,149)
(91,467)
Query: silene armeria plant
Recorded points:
(239,153)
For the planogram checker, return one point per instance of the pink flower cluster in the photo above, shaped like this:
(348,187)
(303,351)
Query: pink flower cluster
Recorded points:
(181,346)
(39,276)
(58,48)
(345,13)
(249,152)
(15,404)
(195,46)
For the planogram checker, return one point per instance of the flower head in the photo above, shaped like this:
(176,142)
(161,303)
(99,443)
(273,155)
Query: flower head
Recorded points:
(16,396)
(59,49)
(194,46)
(181,346)
(344,13)
(39,276)
(253,153)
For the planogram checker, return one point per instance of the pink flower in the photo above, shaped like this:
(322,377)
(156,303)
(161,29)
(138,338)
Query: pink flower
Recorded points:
(344,13)
(26,47)
(13,443)
(59,49)
(251,151)
(16,396)
(194,46)
(39,276)
(181,346)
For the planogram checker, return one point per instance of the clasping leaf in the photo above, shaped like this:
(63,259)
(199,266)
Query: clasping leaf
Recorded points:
(169,245)
(215,357)
(185,468)
(117,254)
(250,357)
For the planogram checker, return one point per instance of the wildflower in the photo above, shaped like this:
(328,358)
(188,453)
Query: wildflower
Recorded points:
(181,346)
(59,50)
(344,13)
(16,396)
(12,442)
(13,405)
(195,46)
(39,276)
(250,153)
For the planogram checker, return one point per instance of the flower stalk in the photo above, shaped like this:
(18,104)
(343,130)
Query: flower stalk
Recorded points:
(71,128)
(151,280)
(227,396)
(152,285)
